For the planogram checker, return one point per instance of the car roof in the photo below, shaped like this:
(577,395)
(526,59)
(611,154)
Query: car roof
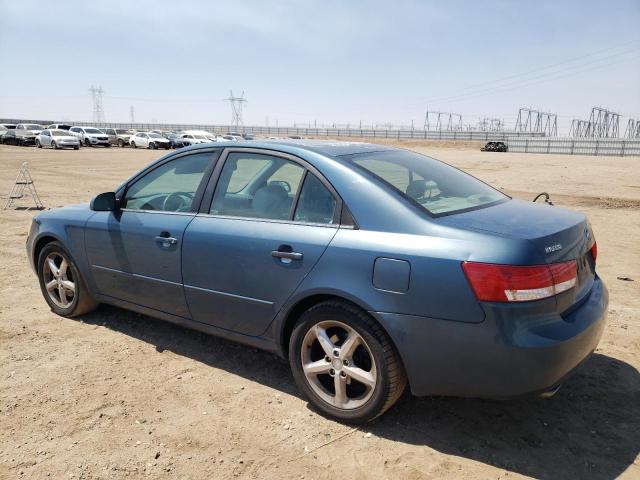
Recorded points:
(324,147)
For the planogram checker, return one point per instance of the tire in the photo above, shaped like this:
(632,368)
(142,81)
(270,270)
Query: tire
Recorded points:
(76,148)
(121,143)
(133,144)
(376,360)
(60,303)
(87,143)
(108,145)
(54,145)
(38,144)
(152,145)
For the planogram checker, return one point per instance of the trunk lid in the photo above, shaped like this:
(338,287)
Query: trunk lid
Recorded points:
(555,235)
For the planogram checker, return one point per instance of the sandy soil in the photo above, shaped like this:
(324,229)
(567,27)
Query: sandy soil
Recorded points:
(117,394)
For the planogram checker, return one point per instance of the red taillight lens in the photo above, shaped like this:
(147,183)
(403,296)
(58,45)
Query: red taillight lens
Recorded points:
(594,250)
(508,283)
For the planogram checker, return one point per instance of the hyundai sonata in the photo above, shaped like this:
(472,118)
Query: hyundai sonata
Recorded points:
(368,267)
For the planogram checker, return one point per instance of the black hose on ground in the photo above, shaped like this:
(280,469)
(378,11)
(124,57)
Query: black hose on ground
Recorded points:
(546,198)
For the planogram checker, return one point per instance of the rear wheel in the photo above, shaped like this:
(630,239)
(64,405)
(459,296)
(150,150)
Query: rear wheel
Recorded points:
(62,286)
(121,143)
(345,363)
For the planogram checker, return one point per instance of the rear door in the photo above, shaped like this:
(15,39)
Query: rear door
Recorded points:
(269,221)
(135,253)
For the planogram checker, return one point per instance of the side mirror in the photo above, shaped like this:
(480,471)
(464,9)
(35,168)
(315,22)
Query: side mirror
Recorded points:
(105,202)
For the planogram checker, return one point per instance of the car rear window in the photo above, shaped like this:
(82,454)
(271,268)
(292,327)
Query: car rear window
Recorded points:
(436,187)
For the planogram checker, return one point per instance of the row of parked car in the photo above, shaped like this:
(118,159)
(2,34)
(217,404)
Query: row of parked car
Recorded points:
(68,136)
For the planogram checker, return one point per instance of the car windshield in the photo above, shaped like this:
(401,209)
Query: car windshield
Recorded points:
(154,135)
(200,137)
(93,130)
(438,188)
(33,126)
(59,133)
(119,131)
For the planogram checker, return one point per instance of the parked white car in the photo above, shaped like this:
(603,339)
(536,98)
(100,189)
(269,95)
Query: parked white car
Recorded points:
(56,138)
(193,137)
(149,140)
(90,136)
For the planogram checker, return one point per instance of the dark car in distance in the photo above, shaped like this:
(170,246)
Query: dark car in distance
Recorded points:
(494,147)
(369,268)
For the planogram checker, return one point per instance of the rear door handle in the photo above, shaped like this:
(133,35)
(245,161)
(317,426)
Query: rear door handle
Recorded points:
(286,253)
(166,239)
(289,255)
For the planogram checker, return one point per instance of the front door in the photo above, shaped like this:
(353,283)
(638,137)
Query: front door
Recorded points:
(135,253)
(269,223)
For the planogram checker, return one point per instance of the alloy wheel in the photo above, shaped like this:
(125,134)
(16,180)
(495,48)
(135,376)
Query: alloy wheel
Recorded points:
(58,280)
(338,364)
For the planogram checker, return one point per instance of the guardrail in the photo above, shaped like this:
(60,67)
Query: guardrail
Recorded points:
(618,147)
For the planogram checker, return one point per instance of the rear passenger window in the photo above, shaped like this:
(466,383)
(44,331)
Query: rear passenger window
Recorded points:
(257,186)
(316,203)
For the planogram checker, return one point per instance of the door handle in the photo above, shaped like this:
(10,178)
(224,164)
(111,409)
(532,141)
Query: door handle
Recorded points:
(166,239)
(286,253)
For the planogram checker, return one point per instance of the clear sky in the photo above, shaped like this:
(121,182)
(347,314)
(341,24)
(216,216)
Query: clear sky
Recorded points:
(325,61)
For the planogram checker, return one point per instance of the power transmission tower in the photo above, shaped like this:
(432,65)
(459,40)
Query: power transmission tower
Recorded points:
(602,123)
(98,111)
(633,129)
(535,121)
(132,114)
(237,104)
(442,121)
(605,123)
(491,125)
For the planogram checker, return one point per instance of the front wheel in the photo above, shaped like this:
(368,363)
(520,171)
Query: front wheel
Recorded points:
(38,144)
(152,146)
(61,283)
(133,144)
(87,143)
(121,143)
(54,145)
(345,363)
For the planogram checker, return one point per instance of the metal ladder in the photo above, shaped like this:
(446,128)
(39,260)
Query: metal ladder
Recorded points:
(23,181)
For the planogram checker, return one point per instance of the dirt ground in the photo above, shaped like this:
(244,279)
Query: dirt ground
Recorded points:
(116,394)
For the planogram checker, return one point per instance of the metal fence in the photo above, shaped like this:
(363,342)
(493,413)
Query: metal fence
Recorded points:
(618,147)
(303,131)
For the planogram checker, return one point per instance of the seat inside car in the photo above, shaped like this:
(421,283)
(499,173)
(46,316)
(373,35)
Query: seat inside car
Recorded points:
(271,201)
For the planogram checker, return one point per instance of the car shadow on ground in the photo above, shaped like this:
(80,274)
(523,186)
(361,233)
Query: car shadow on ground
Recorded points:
(589,429)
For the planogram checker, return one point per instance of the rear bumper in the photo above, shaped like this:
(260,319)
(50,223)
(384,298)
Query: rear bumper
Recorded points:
(504,356)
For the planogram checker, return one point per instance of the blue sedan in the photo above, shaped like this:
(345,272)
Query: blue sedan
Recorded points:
(368,267)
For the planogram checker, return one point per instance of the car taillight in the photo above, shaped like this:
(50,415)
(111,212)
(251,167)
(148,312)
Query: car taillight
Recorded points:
(594,250)
(509,283)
